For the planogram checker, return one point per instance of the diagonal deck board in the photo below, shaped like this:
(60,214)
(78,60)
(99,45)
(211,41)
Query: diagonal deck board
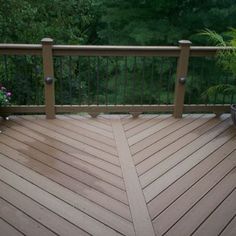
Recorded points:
(230,229)
(7,229)
(23,136)
(177,144)
(219,219)
(193,195)
(182,185)
(204,207)
(116,175)
(45,162)
(63,150)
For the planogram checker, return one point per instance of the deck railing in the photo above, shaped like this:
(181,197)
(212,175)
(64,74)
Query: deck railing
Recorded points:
(50,53)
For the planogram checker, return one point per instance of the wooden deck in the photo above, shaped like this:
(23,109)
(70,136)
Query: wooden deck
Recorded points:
(115,175)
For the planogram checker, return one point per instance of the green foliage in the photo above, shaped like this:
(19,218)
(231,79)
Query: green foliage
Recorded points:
(148,22)
(28,21)
(120,22)
(226,58)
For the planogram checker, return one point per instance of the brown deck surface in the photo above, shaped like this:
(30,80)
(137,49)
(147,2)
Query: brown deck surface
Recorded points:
(115,175)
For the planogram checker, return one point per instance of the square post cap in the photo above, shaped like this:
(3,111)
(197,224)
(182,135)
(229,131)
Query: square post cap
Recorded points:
(47,41)
(185,42)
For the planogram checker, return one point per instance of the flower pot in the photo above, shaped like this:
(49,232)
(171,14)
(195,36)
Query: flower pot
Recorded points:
(233,113)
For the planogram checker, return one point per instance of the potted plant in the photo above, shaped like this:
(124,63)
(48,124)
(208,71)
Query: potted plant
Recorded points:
(227,59)
(5,97)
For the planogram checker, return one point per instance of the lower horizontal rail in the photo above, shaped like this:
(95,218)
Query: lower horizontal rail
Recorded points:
(115,109)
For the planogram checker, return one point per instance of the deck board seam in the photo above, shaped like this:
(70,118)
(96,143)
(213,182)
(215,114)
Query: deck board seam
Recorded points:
(108,133)
(76,192)
(139,124)
(193,183)
(85,152)
(67,136)
(150,127)
(61,124)
(186,159)
(231,220)
(175,130)
(70,122)
(148,201)
(189,189)
(130,120)
(213,212)
(183,136)
(209,190)
(90,121)
(25,212)
(58,160)
(39,203)
(12,226)
(137,121)
(181,147)
(33,122)
(67,153)
(62,200)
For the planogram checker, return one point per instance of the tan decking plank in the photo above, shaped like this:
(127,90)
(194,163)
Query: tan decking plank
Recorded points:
(219,218)
(42,161)
(143,126)
(129,122)
(161,143)
(230,229)
(176,190)
(151,130)
(101,117)
(77,201)
(21,221)
(141,145)
(64,151)
(175,140)
(172,175)
(190,221)
(38,212)
(166,163)
(85,132)
(69,130)
(61,208)
(73,143)
(34,140)
(138,208)
(93,195)
(83,125)
(87,142)
(182,205)
(182,144)
(8,230)
(96,122)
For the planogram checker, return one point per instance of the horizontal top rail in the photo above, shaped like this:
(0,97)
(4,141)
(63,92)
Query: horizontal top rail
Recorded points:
(20,49)
(88,50)
(61,50)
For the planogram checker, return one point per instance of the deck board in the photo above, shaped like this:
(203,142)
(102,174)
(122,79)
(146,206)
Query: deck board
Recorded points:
(218,220)
(7,229)
(60,152)
(21,221)
(118,175)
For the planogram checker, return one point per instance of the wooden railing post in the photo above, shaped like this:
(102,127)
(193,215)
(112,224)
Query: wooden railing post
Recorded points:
(48,77)
(182,70)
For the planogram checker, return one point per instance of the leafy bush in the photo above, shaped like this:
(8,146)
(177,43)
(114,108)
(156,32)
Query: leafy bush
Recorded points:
(226,58)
